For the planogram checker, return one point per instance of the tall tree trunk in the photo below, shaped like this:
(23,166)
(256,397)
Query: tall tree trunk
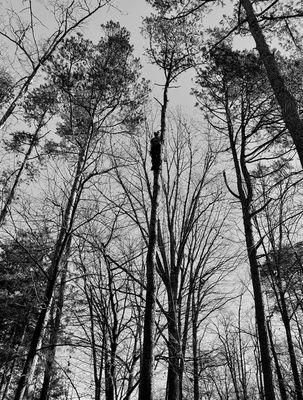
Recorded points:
(147,359)
(283,96)
(174,351)
(195,350)
(258,373)
(245,196)
(242,361)
(174,343)
(60,247)
(113,334)
(54,334)
(282,388)
(109,381)
(259,307)
(184,339)
(291,349)
(29,389)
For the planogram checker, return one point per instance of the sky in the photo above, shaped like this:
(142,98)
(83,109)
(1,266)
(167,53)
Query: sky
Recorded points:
(130,13)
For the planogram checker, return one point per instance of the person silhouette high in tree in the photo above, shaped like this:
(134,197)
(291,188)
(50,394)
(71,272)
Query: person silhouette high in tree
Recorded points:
(155,151)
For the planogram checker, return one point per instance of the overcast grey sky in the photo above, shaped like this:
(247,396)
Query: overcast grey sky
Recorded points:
(130,14)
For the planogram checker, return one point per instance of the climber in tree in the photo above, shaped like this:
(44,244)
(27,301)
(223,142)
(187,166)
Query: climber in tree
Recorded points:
(155,151)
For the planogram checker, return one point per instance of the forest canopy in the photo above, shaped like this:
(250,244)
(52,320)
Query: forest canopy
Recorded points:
(150,251)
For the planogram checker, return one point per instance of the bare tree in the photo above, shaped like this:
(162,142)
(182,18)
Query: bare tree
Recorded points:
(275,227)
(257,113)
(169,53)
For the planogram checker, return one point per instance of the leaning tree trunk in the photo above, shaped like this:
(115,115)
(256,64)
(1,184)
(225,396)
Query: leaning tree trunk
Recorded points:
(59,250)
(11,194)
(29,390)
(54,335)
(290,343)
(283,96)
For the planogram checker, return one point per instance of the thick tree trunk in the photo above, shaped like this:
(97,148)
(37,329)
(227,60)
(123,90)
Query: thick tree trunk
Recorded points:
(283,96)
(147,360)
(259,307)
(109,370)
(30,389)
(184,341)
(174,345)
(174,351)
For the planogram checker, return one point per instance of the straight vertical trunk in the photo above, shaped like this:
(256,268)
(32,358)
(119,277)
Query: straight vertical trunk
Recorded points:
(245,197)
(174,345)
(282,389)
(259,307)
(109,371)
(195,352)
(147,359)
(173,373)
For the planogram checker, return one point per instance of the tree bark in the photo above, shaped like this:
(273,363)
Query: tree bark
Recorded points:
(174,351)
(147,359)
(195,350)
(54,335)
(282,388)
(245,197)
(259,307)
(283,96)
